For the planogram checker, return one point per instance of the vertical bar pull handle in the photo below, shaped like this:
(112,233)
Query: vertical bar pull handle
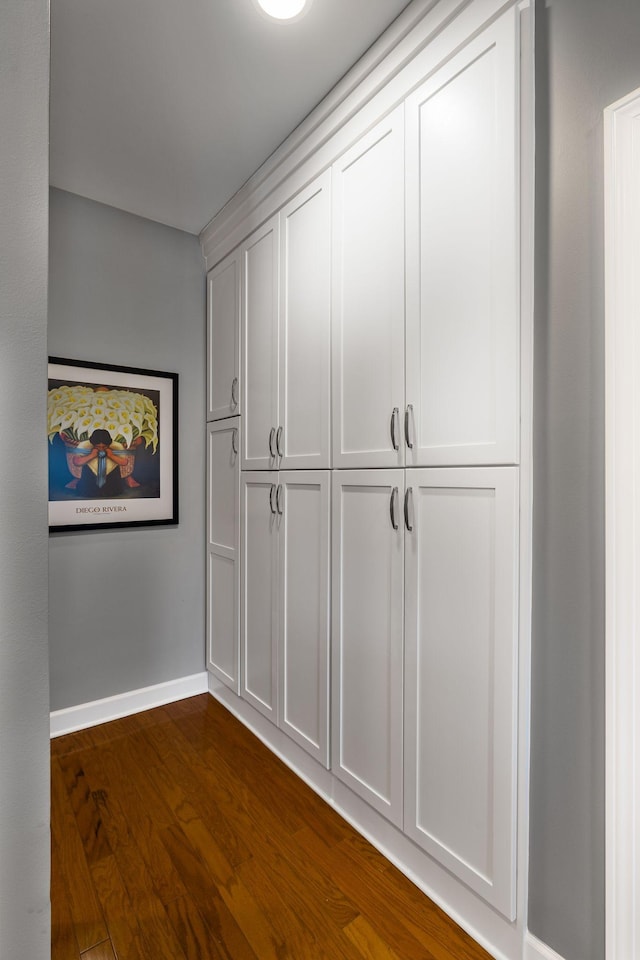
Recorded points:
(234,441)
(407,436)
(279,499)
(395,416)
(234,392)
(408,493)
(278,440)
(392,508)
(272,490)
(272,434)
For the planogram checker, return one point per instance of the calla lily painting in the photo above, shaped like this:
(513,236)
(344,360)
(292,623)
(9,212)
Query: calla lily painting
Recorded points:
(112,433)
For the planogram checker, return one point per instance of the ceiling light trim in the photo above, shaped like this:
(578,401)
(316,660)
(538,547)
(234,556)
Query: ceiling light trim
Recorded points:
(283,11)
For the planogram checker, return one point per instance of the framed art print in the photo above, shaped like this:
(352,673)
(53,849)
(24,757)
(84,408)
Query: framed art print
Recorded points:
(113,446)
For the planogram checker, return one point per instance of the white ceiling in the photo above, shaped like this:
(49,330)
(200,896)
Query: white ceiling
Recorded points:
(165,108)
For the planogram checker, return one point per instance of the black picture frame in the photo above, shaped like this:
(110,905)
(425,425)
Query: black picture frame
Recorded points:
(113,446)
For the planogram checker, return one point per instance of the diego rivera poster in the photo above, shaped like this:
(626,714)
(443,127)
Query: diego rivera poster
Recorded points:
(112,438)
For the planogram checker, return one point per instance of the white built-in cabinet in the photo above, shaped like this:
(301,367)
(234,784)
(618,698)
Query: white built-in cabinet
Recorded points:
(428,198)
(223,547)
(286,282)
(259,580)
(367,635)
(368,299)
(424,675)
(363,566)
(260,298)
(223,339)
(285,602)
(305,328)
(460,680)
(462,320)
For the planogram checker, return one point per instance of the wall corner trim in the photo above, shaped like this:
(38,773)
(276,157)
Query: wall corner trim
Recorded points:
(86,715)
(535,949)
(622,508)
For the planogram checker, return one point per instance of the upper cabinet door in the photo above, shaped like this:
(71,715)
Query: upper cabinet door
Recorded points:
(260,255)
(223,338)
(368,299)
(305,333)
(462,368)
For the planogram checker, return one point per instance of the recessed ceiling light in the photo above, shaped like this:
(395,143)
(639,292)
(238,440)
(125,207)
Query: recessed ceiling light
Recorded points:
(284,9)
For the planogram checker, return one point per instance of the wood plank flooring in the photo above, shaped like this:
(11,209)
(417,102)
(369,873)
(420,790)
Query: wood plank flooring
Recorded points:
(176,835)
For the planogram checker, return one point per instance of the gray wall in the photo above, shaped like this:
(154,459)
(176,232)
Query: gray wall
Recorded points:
(127,606)
(24,694)
(588,56)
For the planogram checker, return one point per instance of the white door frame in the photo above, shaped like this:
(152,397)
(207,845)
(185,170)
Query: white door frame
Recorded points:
(622,452)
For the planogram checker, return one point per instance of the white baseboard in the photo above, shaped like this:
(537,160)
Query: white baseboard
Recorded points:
(124,704)
(535,949)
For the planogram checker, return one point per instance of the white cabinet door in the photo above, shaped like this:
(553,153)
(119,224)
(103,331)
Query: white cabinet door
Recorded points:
(259,591)
(305,328)
(260,255)
(368,299)
(223,338)
(461,564)
(303,502)
(223,545)
(367,635)
(462,366)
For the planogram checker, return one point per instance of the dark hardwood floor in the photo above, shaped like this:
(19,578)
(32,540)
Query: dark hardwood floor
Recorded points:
(178,836)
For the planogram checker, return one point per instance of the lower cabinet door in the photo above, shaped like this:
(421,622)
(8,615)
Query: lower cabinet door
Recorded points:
(303,545)
(367,636)
(223,543)
(461,562)
(259,581)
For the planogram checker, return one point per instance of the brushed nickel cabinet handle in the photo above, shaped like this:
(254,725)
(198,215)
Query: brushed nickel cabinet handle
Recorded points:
(407,436)
(392,508)
(408,493)
(234,441)
(272,434)
(395,416)
(234,392)
(278,440)
(272,490)
(278,499)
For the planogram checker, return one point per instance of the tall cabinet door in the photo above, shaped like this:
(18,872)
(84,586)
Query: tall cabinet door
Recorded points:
(460,678)
(367,635)
(223,338)
(260,256)
(259,591)
(223,539)
(305,328)
(303,505)
(368,299)
(463,363)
